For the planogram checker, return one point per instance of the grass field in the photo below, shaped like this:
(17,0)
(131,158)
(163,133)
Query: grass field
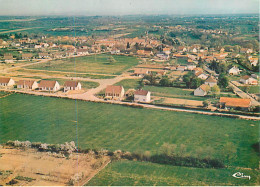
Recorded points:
(252,89)
(130,173)
(52,120)
(90,64)
(129,83)
(173,92)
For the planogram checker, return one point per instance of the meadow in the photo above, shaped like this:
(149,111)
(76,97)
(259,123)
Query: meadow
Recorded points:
(130,173)
(113,127)
(99,64)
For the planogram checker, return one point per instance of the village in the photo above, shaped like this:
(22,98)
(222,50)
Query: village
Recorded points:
(207,71)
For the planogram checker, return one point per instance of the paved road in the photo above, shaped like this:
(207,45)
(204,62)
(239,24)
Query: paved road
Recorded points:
(242,94)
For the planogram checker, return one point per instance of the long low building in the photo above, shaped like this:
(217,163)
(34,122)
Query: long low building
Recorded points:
(72,85)
(235,103)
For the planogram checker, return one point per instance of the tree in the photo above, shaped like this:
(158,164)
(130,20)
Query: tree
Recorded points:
(222,81)
(205,103)
(165,82)
(128,45)
(111,59)
(196,82)
(215,90)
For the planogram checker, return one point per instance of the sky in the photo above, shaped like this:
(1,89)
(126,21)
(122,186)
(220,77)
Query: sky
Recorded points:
(126,7)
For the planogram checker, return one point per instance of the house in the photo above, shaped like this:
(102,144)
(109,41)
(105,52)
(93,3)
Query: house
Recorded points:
(202,90)
(48,85)
(43,55)
(234,71)
(72,85)
(211,81)
(70,53)
(144,52)
(82,52)
(182,49)
(27,56)
(181,68)
(115,51)
(141,72)
(8,58)
(58,55)
(198,69)
(246,50)
(246,79)
(4,81)
(191,66)
(142,96)
(166,50)
(114,92)
(236,103)
(27,84)
(253,61)
(201,75)
(163,56)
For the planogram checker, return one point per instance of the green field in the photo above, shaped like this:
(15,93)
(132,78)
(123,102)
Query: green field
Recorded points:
(90,64)
(252,89)
(129,173)
(129,83)
(173,93)
(52,120)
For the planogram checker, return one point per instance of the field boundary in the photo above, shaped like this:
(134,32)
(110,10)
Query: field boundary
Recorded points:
(83,183)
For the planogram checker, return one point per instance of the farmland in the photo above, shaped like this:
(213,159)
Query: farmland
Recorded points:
(90,64)
(52,120)
(149,174)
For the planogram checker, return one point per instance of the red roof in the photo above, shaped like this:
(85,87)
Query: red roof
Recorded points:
(141,92)
(73,84)
(26,82)
(114,89)
(47,83)
(235,102)
(4,80)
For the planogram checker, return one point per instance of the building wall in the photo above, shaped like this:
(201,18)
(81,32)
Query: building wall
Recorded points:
(199,92)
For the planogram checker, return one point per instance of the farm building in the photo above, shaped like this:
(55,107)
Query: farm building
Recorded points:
(6,81)
(202,90)
(47,85)
(237,103)
(27,84)
(142,96)
(211,81)
(248,80)
(72,85)
(115,92)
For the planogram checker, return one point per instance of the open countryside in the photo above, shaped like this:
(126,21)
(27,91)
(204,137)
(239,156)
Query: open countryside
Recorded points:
(129,93)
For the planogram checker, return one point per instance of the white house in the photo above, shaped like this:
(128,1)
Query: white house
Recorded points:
(4,81)
(72,85)
(248,80)
(191,66)
(47,85)
(234,71)
(142,96)
(181,68)
(202,90)
(27,84)
(201,75)
(211,81)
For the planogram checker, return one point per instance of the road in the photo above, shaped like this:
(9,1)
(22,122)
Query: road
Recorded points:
(87,96)
(242,94)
